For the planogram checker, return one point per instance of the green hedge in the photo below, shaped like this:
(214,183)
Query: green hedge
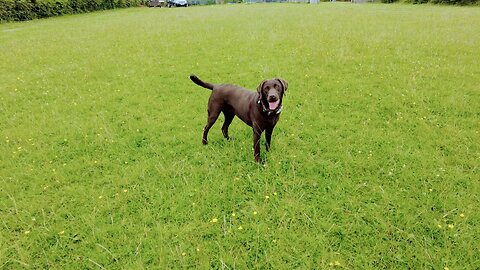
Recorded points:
(21,10)
(450,2)
(455,2)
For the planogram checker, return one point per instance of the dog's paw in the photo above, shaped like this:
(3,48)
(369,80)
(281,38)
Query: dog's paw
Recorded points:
(267,147)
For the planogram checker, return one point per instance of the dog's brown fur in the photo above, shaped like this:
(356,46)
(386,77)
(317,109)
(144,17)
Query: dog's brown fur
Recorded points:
(260,110)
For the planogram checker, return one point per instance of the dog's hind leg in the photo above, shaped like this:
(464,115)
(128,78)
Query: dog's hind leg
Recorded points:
(213,113)
(228,120)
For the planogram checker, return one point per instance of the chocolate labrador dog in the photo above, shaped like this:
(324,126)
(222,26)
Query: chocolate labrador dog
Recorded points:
(260,110)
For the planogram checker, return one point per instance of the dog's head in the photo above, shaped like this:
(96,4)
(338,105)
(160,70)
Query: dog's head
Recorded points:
(271,93)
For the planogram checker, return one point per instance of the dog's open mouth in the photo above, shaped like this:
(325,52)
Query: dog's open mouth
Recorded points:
(273,105)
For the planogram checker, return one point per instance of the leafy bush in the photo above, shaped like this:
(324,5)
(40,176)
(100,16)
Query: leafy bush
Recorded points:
(21,10)
(417,1)
(449,2)
(455,2)
(6,10)
(16,10)
(48,8)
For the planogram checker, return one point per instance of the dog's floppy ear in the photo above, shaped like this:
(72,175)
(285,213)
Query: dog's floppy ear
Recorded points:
(283,83)
(260,87)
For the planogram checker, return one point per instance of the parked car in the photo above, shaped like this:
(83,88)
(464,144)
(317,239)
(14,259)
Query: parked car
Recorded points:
(156,3)
(177,3)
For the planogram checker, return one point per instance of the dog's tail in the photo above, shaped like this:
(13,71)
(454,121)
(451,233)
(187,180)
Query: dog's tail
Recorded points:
(196,80)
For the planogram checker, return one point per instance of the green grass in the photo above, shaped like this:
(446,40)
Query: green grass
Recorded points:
(374,165)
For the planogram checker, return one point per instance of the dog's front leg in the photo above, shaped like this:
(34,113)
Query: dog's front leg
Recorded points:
(257,132)
(268,137)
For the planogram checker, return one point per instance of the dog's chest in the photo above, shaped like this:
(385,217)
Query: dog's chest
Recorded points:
(269,120)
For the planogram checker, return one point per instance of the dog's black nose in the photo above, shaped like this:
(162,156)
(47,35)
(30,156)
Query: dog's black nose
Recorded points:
(272,98)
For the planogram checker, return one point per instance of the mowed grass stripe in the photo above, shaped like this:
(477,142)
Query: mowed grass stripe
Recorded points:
(374,163)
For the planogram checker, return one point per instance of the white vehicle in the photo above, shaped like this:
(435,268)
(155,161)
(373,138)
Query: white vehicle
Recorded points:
(177,3)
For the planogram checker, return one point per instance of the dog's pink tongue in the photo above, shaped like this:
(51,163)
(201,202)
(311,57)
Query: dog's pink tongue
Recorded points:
(273,105)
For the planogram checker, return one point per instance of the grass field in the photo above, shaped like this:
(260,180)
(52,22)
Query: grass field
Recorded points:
(374,165)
